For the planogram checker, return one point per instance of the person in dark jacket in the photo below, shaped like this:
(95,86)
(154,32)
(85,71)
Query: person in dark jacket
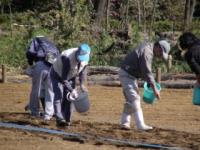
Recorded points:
(138,64)
(190,45)
(40,55)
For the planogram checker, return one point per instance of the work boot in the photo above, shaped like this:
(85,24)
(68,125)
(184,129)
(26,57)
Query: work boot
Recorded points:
(68,123)
(61,122)
(125,127)
(27,108)
(144,127)
(46,121)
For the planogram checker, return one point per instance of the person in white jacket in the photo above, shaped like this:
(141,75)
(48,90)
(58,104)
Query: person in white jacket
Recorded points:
(68,66)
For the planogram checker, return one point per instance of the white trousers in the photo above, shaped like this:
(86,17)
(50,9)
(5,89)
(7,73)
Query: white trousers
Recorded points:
(132,104)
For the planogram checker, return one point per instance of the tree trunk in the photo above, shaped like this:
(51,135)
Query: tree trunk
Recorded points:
(102,70)
(186,15)
(11,20)
(127,13)
(107,15)
(62,21)
(61,5)
(144,15)
(152,17)
(100,12)
(91,3)
(192,7)
(139,13)
(2,9)
(189,10)
(124,12)
(72,8)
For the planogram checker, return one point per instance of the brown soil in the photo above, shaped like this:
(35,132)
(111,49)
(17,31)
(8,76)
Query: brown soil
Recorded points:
(175,118)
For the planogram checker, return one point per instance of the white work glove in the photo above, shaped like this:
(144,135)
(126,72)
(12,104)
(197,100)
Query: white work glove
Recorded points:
(73,95)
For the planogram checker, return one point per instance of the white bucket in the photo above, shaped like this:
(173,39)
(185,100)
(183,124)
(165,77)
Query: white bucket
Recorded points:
(82,104)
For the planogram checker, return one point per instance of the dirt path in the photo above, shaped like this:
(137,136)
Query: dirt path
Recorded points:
(176,120)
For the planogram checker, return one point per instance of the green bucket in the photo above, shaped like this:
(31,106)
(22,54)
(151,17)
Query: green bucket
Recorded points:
(148,95)
(196,96)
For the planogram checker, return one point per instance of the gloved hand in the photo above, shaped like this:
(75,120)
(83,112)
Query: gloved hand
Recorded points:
(67,85)
(73,95)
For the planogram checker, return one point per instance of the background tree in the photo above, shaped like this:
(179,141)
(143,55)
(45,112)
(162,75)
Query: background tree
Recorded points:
(101,5)
(112,27)
(188,15)
(7,3)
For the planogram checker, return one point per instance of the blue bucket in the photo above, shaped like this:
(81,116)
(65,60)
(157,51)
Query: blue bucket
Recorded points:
(196,96)
(148,95)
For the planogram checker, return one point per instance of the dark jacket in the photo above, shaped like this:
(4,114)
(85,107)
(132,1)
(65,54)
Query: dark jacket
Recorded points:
(39,48)
(138,63)
(192,57)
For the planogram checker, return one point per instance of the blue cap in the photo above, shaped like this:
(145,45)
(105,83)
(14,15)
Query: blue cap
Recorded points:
(84,52)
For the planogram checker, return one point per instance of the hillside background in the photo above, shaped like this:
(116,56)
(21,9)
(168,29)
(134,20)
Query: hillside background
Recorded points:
(111,27)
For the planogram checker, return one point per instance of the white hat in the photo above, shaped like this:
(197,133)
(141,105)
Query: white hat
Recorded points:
(165,48)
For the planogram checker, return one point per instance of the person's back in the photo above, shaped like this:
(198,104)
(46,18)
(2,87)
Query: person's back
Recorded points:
(138,62)
(192,56)
(40,61)
(68,54)
(191,44)
(41,49)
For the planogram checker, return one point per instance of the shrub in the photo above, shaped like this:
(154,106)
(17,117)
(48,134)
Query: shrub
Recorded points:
(165,25)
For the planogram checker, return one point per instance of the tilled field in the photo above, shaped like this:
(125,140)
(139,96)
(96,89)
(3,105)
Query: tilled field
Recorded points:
(175,119)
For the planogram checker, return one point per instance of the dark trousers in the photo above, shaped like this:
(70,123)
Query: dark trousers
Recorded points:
(66,105)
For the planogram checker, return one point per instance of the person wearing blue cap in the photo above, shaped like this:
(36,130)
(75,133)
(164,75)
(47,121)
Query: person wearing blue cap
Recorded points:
(68,66)
(138,64)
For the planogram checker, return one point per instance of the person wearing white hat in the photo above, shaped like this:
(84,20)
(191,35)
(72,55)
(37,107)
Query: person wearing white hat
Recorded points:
(70,64)
(37,52)
(165,49)
(138,64)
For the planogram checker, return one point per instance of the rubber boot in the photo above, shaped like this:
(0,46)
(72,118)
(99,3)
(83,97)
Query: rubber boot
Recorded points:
(126,116)
(139,120)
(126,121)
